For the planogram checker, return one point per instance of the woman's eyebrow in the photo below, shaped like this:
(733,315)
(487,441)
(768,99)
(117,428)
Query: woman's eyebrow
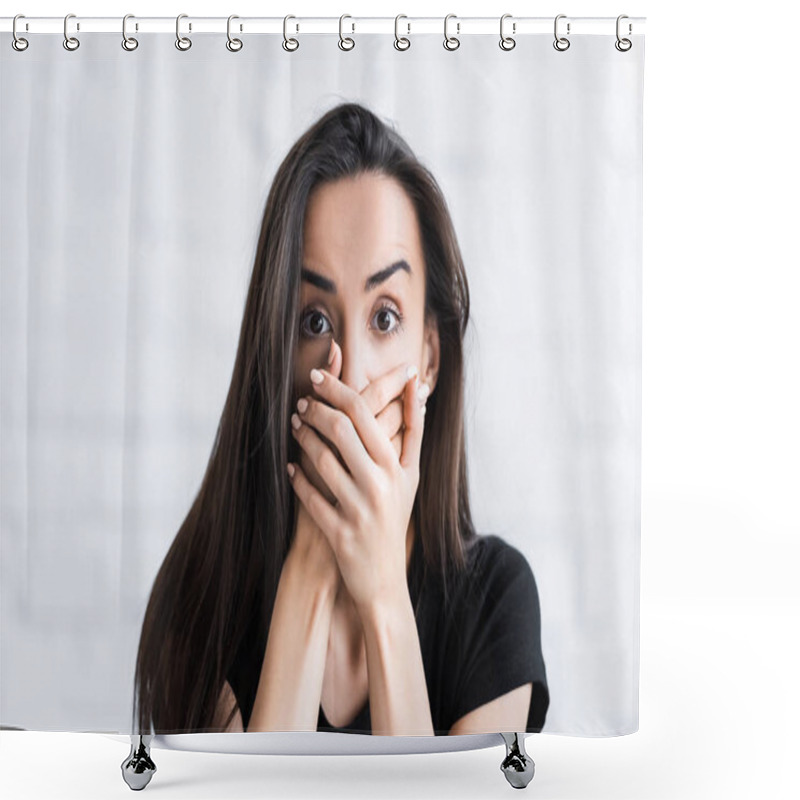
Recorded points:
(328,285)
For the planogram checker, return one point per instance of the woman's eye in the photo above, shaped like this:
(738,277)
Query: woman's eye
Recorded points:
(314,323)
(383,318)
(387,320)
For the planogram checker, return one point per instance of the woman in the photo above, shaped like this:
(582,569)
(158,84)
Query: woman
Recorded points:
(328,575)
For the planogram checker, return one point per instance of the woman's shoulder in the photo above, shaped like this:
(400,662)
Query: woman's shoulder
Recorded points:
(495,570)
(495,575)
(495,638)
(489,554)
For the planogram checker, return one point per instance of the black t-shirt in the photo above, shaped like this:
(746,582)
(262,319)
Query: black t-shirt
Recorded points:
(483,642)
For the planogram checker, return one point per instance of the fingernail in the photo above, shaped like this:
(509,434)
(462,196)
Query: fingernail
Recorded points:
(330,354)
(316,376)
(296,422)
(412,371)
(290,470)
(423,391)
(302,405)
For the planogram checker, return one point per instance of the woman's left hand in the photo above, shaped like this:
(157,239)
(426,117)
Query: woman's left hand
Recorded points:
(375,493)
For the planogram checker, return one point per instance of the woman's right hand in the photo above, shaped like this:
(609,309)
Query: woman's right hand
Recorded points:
(309,544)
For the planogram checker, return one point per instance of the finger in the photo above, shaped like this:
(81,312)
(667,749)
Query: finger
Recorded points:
(335,359)
(312,475)
(413,417)
(397,444)
(336,477)
(387,387)
(391,418)
(334,426)
(334,362)
(335,368)
(321,511)
(346,399)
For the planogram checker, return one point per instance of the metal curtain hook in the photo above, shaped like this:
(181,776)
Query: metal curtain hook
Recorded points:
(128,42)
(507,42)
(289,44)
(451,42)
(400,42)
(345,42)
(234,45)
(182,42)
(70,42)
(560,43)
(623,45)
(18,43)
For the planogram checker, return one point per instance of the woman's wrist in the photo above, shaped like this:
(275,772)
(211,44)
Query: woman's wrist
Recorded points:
(306,572)
(386,611)
(290,684)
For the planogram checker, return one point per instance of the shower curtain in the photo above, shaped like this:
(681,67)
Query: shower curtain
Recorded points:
(135,218)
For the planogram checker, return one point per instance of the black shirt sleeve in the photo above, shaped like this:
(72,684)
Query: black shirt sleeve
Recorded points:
(499,642)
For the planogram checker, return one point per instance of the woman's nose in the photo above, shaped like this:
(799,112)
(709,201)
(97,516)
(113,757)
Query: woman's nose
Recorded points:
(354,372)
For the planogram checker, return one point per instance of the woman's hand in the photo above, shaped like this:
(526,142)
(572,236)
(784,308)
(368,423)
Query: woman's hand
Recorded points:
(372,484)
(309,545)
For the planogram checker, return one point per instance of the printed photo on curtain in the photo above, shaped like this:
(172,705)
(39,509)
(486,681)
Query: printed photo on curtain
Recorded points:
(321,374)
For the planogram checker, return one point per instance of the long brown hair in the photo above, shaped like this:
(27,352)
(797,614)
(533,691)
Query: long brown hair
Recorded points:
(221,573)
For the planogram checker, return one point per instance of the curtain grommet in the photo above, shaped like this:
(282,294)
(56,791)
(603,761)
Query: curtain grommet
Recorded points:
(561,43)
(18,42)
(451,42)
(129,43)
(507,42)
(234,45)
(623,44)
(183,43)
(289,44)
(346,42)
(70,42)
(401,42)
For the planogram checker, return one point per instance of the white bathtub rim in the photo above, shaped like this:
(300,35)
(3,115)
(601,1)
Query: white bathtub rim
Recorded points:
(316,743)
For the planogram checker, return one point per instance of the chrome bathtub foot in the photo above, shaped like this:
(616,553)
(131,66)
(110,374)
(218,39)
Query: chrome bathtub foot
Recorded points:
(517,766)
(138,767)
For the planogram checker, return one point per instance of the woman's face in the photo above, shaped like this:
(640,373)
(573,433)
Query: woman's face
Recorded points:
(363,283)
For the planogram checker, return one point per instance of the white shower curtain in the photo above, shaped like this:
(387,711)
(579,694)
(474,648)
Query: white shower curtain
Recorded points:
(133,187)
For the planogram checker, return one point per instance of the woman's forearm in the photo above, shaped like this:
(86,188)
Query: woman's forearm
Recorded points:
(398,693)
(290,686)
